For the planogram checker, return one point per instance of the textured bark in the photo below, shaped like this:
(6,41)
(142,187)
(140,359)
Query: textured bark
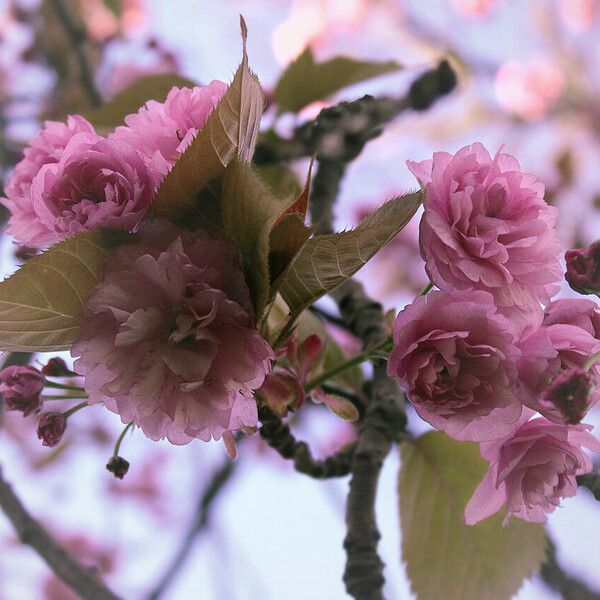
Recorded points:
(79,578)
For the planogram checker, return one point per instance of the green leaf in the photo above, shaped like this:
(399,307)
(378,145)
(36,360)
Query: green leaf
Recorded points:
(115,6)
(327,261)
(154,87)
(305,81)
(444,557)
(248,210)
(229,133)
(281,180)
(287,237)
(289,233)
(40,302)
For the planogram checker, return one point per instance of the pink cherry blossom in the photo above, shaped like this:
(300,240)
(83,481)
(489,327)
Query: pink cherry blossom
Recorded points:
(45,148)
(532,470)
(95,183)
(580,312)
(456,358)
(550,353)
(529,88)
(579,15)
(168,339)
(160,131)
(486,226)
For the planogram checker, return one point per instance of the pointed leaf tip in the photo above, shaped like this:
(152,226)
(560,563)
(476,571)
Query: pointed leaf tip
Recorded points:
(244,31)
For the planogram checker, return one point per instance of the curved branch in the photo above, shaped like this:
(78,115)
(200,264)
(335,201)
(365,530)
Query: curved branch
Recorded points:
(79,578)
(279,436)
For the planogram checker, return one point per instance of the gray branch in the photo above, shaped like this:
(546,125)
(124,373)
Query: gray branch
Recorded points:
(559,580)
(79,41)
(78,577)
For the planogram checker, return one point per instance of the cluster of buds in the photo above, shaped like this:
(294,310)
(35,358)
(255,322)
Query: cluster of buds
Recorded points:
(21,388)
(287,387)
(583,269)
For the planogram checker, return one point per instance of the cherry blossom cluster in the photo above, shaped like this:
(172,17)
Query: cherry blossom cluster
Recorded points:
(168,338)
(489,357)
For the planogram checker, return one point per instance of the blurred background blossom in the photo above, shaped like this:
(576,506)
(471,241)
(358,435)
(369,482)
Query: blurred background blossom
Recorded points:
(529,80)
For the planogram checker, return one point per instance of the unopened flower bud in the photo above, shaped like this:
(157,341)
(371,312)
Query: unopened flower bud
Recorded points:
(24,253)
(569,394)
(51,428)
(118,466)
(57,367)
(583,269)
(21,387)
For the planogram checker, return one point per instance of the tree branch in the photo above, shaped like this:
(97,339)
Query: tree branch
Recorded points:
(79,578)
(337,136)
(279,436)
(383,422)
(78,39)
(200,523)
(340,132)
(557,579)
(592,482)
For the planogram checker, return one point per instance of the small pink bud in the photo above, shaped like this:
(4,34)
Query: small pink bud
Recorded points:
(281,391)
(583,269)
(21,387)
(51,428)
(570,394)
(57,367)
(118,466)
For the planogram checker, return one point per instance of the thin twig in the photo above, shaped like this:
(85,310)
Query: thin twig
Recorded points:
(78,39)
(200,523)
(80,579)
(326,316)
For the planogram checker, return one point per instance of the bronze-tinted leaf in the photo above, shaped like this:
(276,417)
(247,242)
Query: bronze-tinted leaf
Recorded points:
(229,133)
(326,261)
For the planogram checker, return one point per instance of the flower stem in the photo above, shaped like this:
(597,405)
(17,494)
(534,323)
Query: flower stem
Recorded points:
(62,386)
(384,346)
(78,397)
(120,439)
(426,289)
(75,409)
(591,361)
